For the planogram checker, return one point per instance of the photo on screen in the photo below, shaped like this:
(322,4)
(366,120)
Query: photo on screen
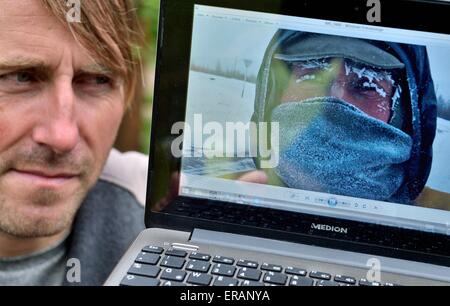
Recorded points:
(357,117)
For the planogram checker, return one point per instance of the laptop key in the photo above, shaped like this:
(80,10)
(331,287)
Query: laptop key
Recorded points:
(320,275)
(295,271)
(301,281)
(198,266)
(176,253)
(224,281)
(249,274)
(223,260)
(201,279)
(270,267)
(364,282)
(139,281)
(172,262)
(325,283)
(153,249)
(148,258)
(249,283)
(275,278)
(200,256)
(223,270)
(173,275)
(247,264)
(172,284)
(144,270)
(345,279)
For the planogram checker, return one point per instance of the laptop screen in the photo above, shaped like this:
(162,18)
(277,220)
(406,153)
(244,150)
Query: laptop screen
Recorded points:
(319,117)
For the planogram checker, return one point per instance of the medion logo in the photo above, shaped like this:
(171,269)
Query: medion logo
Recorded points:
(329,228)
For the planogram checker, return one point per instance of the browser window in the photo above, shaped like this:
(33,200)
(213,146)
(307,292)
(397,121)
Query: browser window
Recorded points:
(319,117)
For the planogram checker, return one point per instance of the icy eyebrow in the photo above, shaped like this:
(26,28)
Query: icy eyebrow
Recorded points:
(311,66)
(370,74)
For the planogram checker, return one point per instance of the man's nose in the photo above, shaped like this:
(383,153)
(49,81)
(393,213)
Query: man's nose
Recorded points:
(58,127)
(337,90)
(336,86)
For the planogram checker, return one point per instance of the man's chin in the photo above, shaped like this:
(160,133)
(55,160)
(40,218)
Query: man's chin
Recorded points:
(37,229)
(47,214)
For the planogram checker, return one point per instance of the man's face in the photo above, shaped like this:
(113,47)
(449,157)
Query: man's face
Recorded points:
(59,115)
(368,89)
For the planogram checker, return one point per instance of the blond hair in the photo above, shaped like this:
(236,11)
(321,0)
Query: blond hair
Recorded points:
(109,31)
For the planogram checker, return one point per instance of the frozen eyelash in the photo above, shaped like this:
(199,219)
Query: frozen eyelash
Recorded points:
(378,89)
(368,73)
(305,78)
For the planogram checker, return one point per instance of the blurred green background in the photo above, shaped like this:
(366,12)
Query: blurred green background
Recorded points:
(134,134)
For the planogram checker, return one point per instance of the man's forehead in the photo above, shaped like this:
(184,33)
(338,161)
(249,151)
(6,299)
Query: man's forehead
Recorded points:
(18,7)
(13,11)
(31,37)
(29,17)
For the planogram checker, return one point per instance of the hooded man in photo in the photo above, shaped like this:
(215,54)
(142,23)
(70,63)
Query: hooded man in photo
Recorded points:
(357,117)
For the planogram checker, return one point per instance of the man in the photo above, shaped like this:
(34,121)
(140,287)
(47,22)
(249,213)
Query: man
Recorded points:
(64,88)
(357,117)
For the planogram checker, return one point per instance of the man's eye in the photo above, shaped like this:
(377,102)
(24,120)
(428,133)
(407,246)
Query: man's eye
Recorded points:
(306,77)
(369,89)
(23,77)
(101,80)
(311,78)
(94,80)
(19,77)
(365,85)
(19,82)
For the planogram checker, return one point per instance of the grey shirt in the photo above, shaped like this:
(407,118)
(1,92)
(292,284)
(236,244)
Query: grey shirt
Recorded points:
(108,221)
(110,218)
(45,268)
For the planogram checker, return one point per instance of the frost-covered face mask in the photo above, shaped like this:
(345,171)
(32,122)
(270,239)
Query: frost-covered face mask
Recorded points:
(328,145)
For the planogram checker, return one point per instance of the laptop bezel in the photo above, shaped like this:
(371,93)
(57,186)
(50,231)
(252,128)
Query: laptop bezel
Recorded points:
(172,69)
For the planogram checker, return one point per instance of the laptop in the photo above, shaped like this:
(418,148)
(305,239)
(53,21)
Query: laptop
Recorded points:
(297,143)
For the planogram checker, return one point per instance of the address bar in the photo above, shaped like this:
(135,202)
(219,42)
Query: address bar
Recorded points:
(299,23)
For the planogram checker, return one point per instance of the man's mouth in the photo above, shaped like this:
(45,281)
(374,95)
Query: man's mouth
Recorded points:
(42,178)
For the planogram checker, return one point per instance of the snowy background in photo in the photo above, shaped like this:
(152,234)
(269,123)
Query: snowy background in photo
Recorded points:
(224,67)
(440,67)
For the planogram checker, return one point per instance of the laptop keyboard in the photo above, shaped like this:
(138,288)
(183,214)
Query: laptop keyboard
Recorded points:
(156,266)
